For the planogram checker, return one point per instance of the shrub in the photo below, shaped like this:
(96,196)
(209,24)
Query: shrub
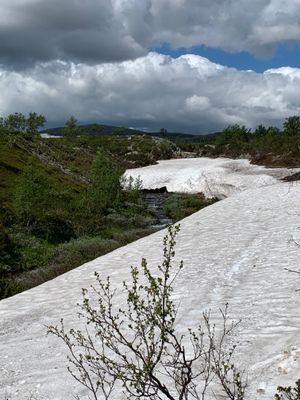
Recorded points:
(288,393)
(138,347)
(133,190)
(73,254)
(36,254)
(8,287)
(179,205)
(106,190)
(31,195)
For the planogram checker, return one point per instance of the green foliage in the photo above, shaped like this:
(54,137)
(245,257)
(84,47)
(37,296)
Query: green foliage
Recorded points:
(137,346)
(163,132)
(31,195)
(18,123)
(133,190)
(4,240)
(122,130)
(71,127)
(35,253)
(6,251)
(93,129)
(289,392)
(273,132)
(179,205)
(105,190)
(291,126)
(266,145)
(46,202)
(78,251)
(34,123)
(233,134)
(8,287)
(36,205)
(15,122)
(260,132)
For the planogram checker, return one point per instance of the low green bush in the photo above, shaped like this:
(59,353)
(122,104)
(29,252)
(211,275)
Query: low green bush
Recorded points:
(70,255)
(8,287)
(180,205)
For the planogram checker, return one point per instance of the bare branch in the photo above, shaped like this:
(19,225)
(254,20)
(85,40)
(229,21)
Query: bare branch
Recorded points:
(138,348)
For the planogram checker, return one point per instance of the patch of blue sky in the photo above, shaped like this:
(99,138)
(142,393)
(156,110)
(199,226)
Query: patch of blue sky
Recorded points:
(283,56)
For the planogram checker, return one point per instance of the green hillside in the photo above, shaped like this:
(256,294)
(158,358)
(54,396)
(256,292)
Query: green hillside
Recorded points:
(107,130)
(61,203)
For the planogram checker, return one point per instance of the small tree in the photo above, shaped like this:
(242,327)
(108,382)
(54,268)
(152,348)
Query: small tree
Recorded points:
(291,125)
(18,123)
(163,132)
(233,134)
(133,189)
(35,122)
(31,195)
(260,132)
(138,346)
(71,127)
(15,123)
(106,189)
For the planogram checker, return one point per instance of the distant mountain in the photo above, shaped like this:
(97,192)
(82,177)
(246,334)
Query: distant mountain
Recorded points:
(104,130)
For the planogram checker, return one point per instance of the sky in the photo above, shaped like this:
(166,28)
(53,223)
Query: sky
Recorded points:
(186,65)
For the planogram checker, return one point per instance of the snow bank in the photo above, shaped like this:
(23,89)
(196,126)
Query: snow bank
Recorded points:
(220,177)
(234,251)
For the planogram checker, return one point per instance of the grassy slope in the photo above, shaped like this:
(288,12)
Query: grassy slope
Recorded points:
(68,161)
(15,156)
(67,165)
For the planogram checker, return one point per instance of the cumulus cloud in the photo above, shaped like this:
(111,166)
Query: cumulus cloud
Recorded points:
(94,31)
(255,26)
(189,93)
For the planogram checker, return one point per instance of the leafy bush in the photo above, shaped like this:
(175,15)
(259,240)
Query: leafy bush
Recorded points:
(75,253)
(4,241)
(31,195)
(133,189)
(36,254)
(8,287)
(18,123)
(138,346)
(179,205)
(106,190)
(40,208)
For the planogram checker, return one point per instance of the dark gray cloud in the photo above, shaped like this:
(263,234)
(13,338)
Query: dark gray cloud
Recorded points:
(188,94)
(81,31)
(96,31)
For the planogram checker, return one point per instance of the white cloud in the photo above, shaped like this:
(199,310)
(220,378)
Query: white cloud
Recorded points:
(189,93)
(197,103)
(254,26)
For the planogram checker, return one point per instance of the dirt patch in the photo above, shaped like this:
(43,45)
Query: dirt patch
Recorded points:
(272,160)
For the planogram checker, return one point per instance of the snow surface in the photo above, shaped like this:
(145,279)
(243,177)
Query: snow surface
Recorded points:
(234,251)
(220,177)
(48,136)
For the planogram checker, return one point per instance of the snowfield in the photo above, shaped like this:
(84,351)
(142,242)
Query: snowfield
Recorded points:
(234,251)
(219,177)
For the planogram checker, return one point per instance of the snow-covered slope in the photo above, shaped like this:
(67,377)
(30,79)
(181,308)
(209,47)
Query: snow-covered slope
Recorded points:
(220,177)
(234,251)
